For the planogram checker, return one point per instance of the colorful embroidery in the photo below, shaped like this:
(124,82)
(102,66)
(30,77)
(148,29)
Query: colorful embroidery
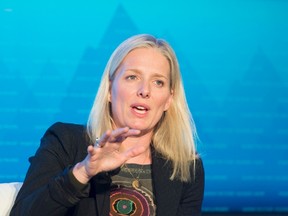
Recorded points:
(126,201)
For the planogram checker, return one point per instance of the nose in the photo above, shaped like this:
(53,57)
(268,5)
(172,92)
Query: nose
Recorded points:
(144,90)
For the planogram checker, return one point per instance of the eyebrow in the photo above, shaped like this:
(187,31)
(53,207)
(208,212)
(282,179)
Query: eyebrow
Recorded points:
(153,75)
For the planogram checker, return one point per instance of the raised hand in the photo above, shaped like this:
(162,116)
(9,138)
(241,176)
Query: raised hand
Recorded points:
(105,155)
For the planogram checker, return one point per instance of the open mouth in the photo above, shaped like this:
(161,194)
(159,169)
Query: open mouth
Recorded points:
(140,109)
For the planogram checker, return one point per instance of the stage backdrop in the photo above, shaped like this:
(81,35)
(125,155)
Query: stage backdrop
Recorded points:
(233,57)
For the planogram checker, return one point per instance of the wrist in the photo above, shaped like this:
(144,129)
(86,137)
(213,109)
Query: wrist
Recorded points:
(80,174)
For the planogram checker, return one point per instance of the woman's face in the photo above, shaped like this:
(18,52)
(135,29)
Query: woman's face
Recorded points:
(140,91)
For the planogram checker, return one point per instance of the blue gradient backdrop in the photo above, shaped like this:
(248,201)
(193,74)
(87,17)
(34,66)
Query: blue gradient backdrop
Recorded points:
(233,57)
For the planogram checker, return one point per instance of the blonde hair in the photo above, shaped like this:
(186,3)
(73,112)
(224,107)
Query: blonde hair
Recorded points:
(175,134)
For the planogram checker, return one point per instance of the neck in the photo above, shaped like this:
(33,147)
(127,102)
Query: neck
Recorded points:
(143,159)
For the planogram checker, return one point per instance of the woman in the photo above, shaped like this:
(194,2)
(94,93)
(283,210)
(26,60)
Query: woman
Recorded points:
(137,154)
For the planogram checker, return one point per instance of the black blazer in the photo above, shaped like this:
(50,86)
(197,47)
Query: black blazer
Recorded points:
(50,189)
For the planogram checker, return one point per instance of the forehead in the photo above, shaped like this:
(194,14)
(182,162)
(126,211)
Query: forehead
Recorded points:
(148,57)
(147,51)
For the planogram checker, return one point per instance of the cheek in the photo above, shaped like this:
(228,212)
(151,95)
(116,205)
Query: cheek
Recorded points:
(168,102)
(164,101)
(119,94)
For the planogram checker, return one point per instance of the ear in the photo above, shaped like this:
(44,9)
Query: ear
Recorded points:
(169,101)
(109,93)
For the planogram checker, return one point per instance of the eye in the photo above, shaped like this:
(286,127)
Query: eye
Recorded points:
(159,83)
(131,77)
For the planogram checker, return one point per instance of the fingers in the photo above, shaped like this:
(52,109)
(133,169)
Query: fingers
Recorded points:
(90,149)
(116,136)
(119,134)
(131,132)
(98,144)
(106,156)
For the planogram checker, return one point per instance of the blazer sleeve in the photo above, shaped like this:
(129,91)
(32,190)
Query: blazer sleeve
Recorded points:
(193,192)
(48,188)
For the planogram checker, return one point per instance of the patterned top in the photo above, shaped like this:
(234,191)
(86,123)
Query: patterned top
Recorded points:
(126,199)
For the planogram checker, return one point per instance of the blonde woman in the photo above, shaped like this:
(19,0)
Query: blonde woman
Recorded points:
(137,154)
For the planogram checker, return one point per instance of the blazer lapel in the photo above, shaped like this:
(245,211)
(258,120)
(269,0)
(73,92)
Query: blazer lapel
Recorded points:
(167,193)
(100,187)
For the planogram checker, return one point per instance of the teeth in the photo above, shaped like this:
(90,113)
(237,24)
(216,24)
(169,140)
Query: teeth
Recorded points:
(140,108)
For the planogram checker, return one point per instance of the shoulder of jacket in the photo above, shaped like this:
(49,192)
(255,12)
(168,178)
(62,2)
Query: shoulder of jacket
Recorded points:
(67,126)
(68,132)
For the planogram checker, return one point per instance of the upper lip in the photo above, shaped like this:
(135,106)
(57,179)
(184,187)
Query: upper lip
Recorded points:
(145,106)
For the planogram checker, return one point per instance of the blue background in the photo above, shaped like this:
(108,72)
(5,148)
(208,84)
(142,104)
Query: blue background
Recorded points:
(233,57)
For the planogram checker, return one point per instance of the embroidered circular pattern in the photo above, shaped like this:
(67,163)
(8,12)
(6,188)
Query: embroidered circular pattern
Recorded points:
(126,201)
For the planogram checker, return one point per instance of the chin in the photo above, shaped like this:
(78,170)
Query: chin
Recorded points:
(142,128)
(140,125)
(136,126)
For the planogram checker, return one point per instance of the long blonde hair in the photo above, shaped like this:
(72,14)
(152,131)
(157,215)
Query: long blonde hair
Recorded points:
(175,134)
